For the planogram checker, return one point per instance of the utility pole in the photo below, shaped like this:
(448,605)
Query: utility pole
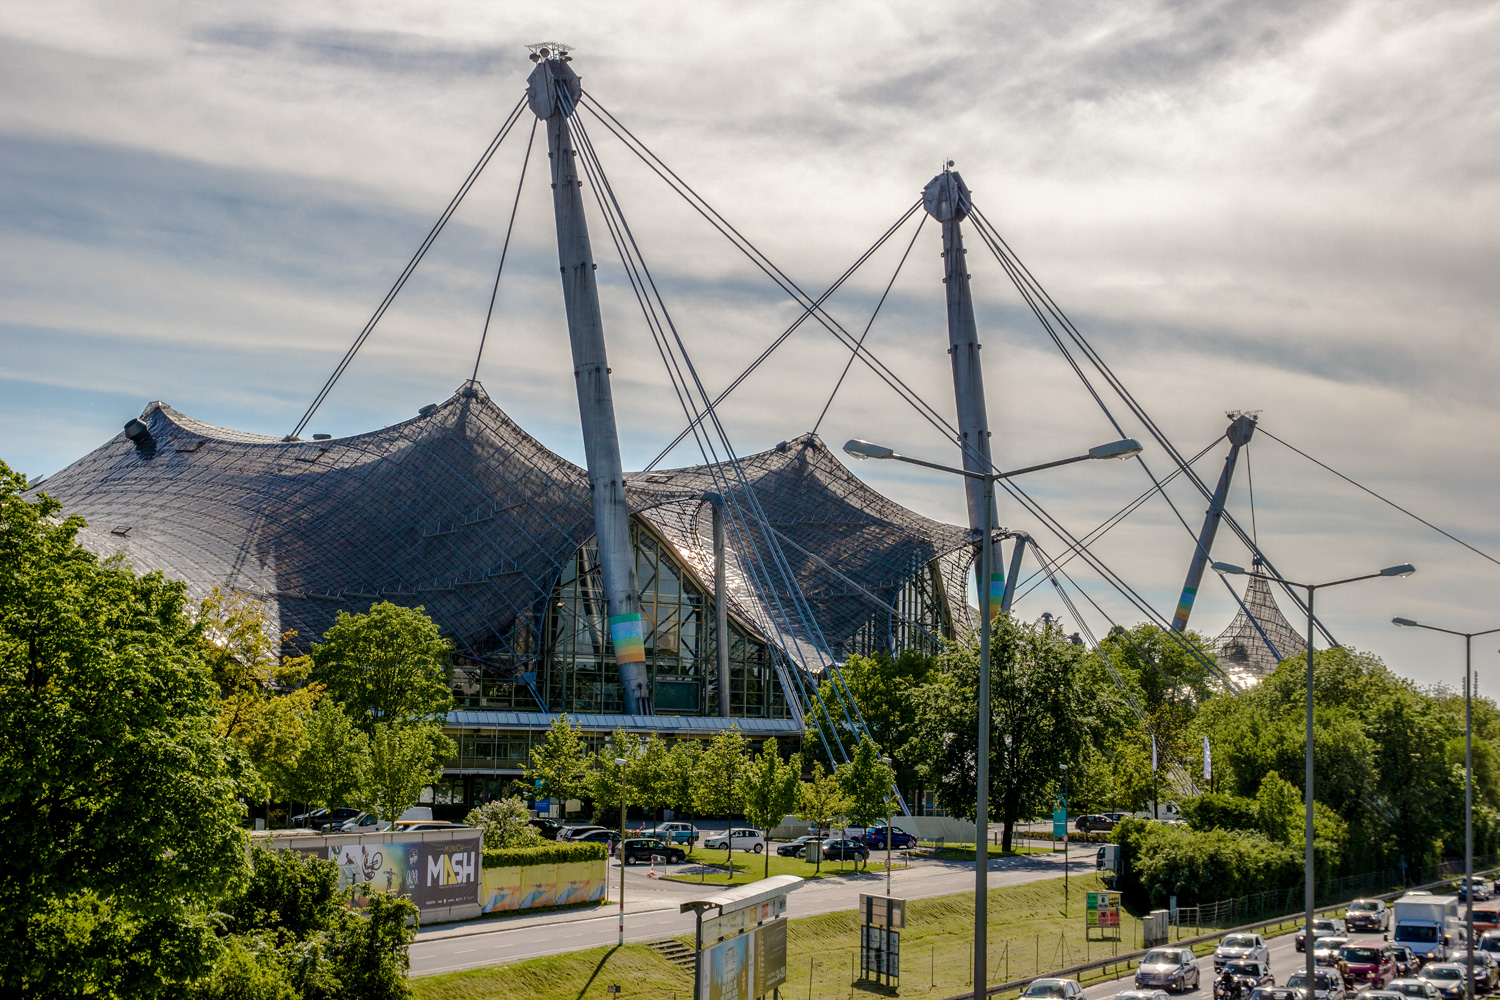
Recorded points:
(553,92)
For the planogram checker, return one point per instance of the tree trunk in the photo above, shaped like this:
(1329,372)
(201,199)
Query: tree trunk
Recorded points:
(767,851)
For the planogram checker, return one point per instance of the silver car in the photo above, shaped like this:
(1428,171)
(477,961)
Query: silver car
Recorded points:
(1234,947)
(1326,985)
(1168,969)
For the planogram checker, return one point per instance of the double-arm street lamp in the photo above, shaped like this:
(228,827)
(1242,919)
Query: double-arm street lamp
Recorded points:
(1468,638)
(1405,569)
(864,449)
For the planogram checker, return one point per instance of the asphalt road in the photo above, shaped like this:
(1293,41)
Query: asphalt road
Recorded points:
(653,914)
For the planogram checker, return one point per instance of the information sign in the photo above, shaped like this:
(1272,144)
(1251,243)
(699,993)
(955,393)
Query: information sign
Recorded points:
(879,952)
(882,911)
(1102,909)
(734,921)
(770,957)
(1060,821)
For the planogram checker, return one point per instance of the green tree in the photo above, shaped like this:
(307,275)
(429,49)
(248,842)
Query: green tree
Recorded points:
(677,777)
(1279,810)
(602,782)
(505,823)
(1045,712)
(119,795)
(404,759)
(866,782)
(559,767)
(334,769)
(386,666)
(821,802)
(716,782)
(649,775)
(881,687)
(769,789)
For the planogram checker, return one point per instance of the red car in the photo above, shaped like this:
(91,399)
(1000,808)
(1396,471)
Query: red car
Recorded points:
(1370,961)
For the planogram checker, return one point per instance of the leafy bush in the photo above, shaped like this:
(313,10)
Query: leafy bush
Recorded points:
(547,854)
(505,823)
(1159,861)
(1217,811)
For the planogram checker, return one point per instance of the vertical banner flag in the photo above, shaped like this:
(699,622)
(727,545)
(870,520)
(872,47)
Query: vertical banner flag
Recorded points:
(1153,755)
(1208,762)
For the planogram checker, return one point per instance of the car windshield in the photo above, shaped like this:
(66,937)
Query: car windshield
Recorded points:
(1366,955)
(1328,944)
(1440,972)
(1243,968)
(1044,990)
(1325,925)
(1416,934)
(1488,943)
(1298,980)
(1239,941)
(1361,906)
(1160,958)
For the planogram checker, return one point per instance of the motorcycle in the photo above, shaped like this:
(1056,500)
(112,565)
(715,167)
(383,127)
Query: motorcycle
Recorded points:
(1227,989)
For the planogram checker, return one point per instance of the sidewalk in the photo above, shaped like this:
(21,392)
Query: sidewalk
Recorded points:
(521,921)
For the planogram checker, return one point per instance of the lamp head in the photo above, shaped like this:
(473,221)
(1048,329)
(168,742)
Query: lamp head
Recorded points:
(620,761)
(1229,568)
(1405,569)
(1124,448)
(864,449)
(1405,623)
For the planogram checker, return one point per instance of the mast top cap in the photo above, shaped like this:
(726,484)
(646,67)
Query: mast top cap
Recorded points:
(946,197)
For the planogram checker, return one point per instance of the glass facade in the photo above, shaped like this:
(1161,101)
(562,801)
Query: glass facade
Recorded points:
(578,670)
(920,618)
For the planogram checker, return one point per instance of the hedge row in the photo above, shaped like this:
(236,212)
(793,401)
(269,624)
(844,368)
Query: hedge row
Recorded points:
(1160,861)
(546,854)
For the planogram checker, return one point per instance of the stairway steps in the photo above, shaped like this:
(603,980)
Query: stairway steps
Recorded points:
(673,951)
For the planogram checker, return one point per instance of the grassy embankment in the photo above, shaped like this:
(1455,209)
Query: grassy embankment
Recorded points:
(1028,933)
(749,867)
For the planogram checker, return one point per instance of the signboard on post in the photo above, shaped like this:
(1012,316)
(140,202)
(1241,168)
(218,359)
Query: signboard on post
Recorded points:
(770,957)
(1102,911)
(882,911)
(737,920)
(879,953)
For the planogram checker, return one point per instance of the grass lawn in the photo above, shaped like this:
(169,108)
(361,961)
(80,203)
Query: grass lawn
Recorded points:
(965,852)
(1029,933)
(749,867)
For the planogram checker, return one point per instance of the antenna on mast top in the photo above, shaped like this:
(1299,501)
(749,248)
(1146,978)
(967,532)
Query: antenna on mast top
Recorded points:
(550,50)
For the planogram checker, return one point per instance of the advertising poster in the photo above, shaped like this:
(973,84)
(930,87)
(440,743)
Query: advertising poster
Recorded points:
(447,873)
(388,868)
(728,970)
(580,882)
(770,957)
(538,886)
(502,889)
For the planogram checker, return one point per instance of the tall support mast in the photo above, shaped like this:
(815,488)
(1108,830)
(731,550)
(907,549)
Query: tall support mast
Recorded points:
(947,200)
(1240,430)
(553,91)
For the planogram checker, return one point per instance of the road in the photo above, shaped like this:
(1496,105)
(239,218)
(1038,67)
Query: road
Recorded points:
(653,913)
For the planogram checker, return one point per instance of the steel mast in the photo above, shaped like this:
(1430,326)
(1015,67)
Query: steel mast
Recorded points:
(1241,427)
(553,92)
(946,199)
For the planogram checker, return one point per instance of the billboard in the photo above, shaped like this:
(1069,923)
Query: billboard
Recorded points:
(727,970)
(542,885)
(435,873)
(770,957)
(1102,910)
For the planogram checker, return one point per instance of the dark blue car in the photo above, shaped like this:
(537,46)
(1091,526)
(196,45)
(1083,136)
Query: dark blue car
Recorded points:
(900,839)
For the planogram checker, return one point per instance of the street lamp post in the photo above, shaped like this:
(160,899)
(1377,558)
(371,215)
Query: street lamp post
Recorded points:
(1468,638)
(1124,448)
(1405,569)
(887,762)
(620,763)
(1065,839)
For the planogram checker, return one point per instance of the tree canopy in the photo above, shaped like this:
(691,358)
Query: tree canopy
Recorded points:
(386,666)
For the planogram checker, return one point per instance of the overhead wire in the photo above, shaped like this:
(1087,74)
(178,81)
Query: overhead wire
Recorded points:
(411,266)
(504,249)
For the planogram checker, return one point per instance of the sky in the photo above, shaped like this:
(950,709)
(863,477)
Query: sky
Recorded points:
(1289,208)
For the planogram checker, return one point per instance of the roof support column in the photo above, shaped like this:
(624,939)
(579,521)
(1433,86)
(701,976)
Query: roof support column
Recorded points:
(947,200)
(721,607)
(553,94)
(1239,434)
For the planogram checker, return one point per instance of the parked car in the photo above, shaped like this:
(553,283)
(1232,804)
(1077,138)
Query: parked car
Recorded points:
(674,832)
(1372,962)
(1169,968)
(1053,989)
(1115,818)
(844,850)
(1093,822)
(796,848)
(1447,977)
(598,835)
(360,823)
(1326,985)
(743,838)
(1479,885)
(1486,972)
(319,818)
(1250,974)
(900,839)
(1251,947)
(548,828)
(644,850)
(1415,989)
(574,832)
(1322,927)
(1367,915)
(416,825)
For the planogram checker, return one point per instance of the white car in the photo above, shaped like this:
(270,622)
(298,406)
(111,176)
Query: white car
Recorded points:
(744,840)
(1053,989)
(1235,947)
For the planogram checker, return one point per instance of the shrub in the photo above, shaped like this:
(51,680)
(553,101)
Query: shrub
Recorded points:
(1198,866)
(505,823)
(546,854)
(1217,811)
